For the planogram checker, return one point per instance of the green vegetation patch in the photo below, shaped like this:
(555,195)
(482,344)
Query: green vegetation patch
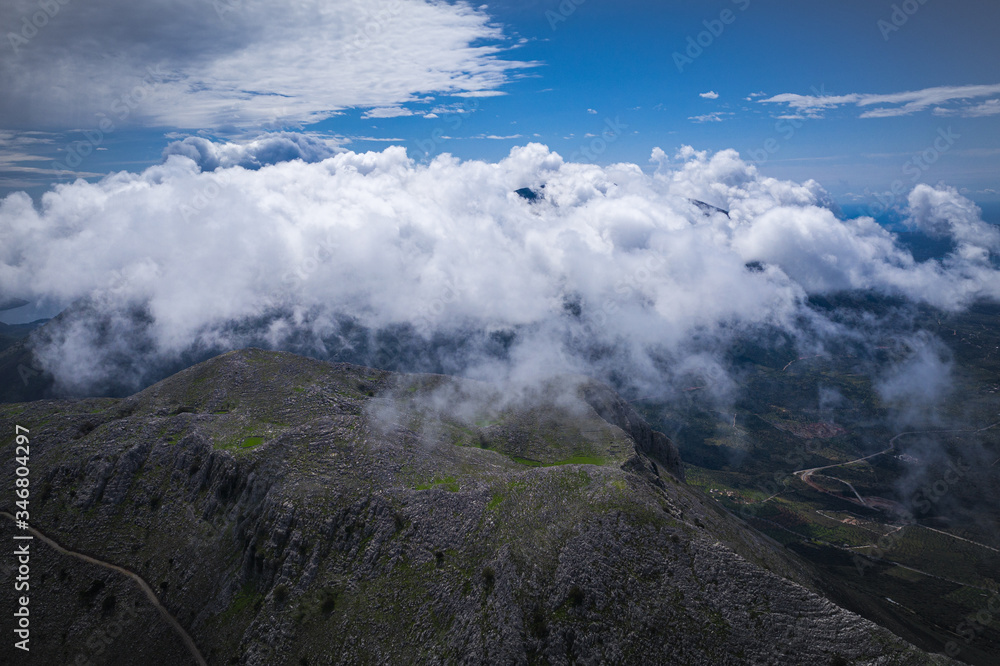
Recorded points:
(247,598)
(495,501)
(446,483)
(251,442)
(572,460)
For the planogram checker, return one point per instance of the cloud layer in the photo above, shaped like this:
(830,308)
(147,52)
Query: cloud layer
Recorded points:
(237,64)
(612,272)
(896,104)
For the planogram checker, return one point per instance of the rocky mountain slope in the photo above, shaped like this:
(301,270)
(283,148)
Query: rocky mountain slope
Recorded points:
(289,511)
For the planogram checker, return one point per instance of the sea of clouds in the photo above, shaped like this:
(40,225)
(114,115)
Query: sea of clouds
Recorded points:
(292,243)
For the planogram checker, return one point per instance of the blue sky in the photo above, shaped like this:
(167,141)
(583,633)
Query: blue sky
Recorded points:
(540,70)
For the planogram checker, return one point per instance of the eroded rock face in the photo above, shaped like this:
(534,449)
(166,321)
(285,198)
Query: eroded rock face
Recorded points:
(613,408)
(289,511)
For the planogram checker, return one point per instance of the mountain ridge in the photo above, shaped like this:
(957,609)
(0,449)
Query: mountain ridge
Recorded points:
(288,510)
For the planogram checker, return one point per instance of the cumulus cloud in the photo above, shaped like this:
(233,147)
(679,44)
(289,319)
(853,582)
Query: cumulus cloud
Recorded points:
(240,64)
(711,94)
(942,213)
(613,272)
(264,150)
(889,105)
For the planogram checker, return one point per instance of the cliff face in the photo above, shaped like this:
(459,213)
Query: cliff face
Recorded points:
(612,408)
(289,511)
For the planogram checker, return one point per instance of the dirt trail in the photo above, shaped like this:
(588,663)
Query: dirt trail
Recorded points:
(955,536)
(143,585)
(806,474)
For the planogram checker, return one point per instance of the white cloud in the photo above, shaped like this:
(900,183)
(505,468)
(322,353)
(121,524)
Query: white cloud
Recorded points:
(480,93)
(17,139)
(265,150)
(387,112)
(237,66)
(431,116)
(395,139)
(711,94)
(942,213)
(592,112)
(19,158)
(446,247)
(902,104)
(454,108)
(917,384)
(493,137)
(716,117)
(990,107)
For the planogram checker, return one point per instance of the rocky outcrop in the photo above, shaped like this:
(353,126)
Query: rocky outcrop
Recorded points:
(613,409)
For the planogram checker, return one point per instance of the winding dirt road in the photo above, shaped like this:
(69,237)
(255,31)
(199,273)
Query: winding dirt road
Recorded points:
(143,585)
(872,502)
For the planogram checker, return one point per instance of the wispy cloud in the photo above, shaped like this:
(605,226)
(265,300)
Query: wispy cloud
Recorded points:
(451,108)
(716,117)
(889,105)
(990,107)
(20,155)
(496,137)
(480,93)
(377,138)
(387,112)
(237,66)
